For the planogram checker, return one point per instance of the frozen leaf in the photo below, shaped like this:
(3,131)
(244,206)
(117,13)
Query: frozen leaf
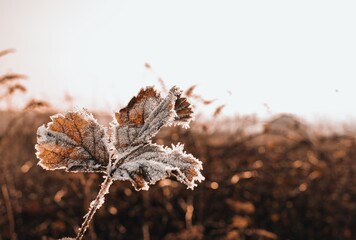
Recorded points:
(76,142)
(152,162)
(73,141)
(129,121)
(146,114)
(184,112)
(144,163)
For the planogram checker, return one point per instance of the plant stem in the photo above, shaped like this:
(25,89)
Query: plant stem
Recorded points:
(94,206)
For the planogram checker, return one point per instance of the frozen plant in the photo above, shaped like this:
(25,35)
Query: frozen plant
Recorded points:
(76,142)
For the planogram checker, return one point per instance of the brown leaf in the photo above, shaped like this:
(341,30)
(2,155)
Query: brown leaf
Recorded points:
(130,120)
(146,113)
(183,109)
(74,141)
(139,107)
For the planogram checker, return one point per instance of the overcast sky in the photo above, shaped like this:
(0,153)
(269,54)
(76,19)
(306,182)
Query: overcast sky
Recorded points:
(292,56)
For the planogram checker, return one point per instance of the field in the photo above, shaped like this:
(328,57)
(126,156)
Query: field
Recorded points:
(281,179)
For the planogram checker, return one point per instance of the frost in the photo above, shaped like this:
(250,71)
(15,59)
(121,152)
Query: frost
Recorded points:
(75,141)
(136,124)
(152,162)
(146,114)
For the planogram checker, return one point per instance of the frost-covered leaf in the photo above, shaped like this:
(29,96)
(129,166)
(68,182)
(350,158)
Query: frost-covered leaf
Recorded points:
(151,163)
(74,141)
(129,121)
(146,113)
(144,163)
(184,111)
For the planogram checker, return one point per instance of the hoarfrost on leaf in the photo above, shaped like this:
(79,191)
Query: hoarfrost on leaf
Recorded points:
(152,162)
(146,114)
(75,141)
(142,162)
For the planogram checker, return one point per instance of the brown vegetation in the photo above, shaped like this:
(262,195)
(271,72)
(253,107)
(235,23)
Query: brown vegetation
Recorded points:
(280,180)
(276,181)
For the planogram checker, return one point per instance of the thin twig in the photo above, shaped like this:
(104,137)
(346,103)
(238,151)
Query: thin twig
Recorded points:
(86,184)
(94,206)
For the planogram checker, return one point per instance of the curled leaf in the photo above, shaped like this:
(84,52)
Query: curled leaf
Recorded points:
(184,112)
(152,162)
(74,141)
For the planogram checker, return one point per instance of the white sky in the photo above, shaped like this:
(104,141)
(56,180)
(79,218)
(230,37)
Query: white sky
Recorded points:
(295,56)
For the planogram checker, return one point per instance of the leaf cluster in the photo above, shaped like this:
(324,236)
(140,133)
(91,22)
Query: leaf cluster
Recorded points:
(76,142)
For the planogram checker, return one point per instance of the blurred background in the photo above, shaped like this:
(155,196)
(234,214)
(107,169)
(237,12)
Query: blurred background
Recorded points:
(273,88)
